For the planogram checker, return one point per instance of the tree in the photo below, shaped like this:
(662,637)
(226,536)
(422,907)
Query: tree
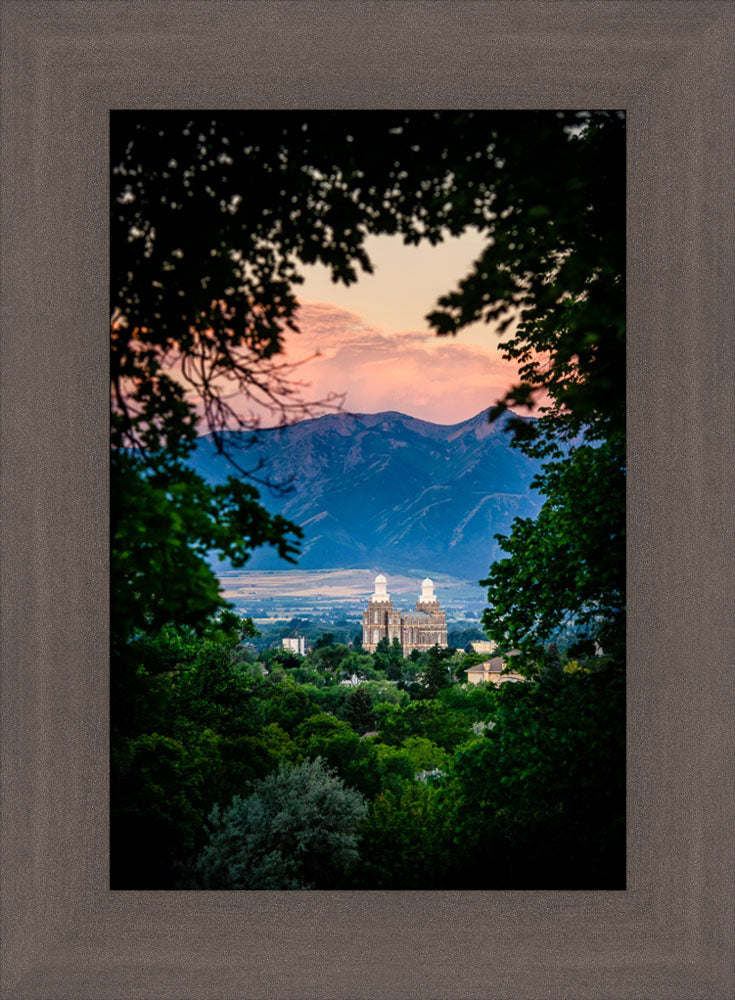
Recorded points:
(567,269)
(192,734)
(540,799)
(339,746)
(436,675)
(395,766)
(567,566)
(287,703)
(216,691)
(329,656)
(475,701)
(405,841)
(296,831)
(424,754)
(426,718)
(285,658)
(461,638)
(388,657)
(393,723)
(358,710)
(156,810)
(356,663)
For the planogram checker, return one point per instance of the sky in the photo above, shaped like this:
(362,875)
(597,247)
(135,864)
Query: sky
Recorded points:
(376,347)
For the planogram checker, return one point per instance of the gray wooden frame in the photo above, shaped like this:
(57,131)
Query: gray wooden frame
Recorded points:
(64,934)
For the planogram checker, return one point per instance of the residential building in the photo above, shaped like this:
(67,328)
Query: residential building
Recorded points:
(491,671)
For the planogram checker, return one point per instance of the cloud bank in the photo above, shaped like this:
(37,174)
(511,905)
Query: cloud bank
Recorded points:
(435,378)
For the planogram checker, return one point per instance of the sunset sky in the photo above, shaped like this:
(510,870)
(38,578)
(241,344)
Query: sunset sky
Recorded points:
(376,346)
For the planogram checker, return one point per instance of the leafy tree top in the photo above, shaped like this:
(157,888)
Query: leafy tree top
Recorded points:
(291,833)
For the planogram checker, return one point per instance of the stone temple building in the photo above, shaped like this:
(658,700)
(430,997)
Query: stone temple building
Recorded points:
(420,629)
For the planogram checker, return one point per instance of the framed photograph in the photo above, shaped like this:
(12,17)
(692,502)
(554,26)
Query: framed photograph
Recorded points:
(79,918)
(289,426)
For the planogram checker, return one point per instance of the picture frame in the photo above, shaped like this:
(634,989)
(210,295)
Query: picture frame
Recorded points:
(64,933)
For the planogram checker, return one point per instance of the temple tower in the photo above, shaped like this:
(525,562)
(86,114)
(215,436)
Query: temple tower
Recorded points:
(379,618)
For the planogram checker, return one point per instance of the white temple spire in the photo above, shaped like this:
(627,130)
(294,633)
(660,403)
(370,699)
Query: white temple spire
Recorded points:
(380,594)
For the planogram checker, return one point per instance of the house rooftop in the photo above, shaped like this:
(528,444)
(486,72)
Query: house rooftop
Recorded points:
(493,666)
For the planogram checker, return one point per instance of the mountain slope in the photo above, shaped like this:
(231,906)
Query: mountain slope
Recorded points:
(389,490)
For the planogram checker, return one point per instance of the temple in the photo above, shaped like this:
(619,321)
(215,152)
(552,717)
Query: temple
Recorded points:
(420,629)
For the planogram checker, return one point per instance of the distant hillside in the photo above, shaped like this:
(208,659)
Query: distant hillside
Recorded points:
(391,491)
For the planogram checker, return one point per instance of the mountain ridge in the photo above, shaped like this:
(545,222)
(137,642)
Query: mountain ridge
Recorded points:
(389,489)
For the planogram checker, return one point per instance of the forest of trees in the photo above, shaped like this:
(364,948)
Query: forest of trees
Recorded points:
(226,776)
(257,771)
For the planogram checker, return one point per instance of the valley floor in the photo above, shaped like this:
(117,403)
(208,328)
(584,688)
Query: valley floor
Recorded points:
(294,591)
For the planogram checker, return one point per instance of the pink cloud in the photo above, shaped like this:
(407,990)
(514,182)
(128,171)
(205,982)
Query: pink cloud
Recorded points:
(439,379)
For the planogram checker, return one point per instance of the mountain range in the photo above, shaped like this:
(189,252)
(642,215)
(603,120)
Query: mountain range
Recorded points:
(387,491)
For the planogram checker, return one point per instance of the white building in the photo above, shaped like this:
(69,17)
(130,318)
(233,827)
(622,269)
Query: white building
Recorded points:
(297,645)
(483,646)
